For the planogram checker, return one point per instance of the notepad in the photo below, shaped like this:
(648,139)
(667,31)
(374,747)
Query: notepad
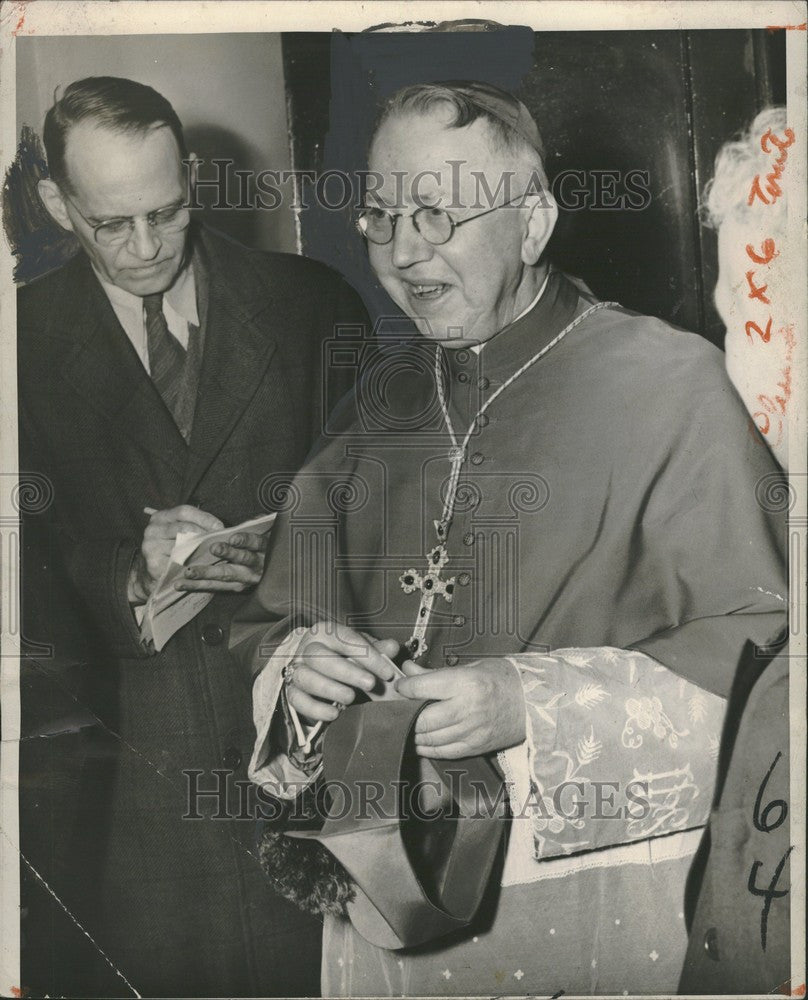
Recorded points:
(168,609)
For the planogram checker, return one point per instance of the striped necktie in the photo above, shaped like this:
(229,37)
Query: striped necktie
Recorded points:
(166,353)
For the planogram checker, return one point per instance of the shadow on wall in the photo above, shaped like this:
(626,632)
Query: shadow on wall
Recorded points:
(40,245)
(209,143)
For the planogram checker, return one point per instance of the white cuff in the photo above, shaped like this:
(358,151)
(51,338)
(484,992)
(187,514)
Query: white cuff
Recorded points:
(275,772)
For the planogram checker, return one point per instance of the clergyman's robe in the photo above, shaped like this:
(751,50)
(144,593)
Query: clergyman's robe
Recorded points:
(612,541)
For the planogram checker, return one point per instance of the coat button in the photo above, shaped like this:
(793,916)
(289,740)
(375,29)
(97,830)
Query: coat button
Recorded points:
(212,635)
(464,579)
(483,383)
(482,420)
(477,458)
(459,620)
(452,660)
(711,944)
(231,757)
(462,357)
(462,377)
(468,538)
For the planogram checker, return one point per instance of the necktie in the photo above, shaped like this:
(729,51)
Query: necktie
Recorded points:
(166,353)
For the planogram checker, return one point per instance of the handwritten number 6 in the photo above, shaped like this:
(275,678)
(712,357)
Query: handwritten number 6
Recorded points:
(761,821)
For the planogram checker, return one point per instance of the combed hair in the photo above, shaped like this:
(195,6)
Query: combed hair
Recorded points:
(111,102)
(738,162)
(422,98)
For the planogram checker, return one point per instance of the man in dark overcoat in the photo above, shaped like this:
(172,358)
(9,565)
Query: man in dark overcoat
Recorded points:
(164,373)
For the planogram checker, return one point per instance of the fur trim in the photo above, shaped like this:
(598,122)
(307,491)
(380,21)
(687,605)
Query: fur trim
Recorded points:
(305,873)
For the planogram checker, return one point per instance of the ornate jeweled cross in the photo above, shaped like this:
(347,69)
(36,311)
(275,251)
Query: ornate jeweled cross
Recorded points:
(432,585)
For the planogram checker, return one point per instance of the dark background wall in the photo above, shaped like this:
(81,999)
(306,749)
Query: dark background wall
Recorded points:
(655,101)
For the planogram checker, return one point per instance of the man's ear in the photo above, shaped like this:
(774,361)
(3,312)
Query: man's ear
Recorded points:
(540,225)
(54,202)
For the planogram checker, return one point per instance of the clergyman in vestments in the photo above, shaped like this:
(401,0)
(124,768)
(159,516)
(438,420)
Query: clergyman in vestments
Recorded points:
(545,508)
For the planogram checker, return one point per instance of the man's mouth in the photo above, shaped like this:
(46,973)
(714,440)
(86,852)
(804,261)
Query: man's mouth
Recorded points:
(146,268)
(424,291)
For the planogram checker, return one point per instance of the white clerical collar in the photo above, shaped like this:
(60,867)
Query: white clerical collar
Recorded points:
(478,347)
(181,297)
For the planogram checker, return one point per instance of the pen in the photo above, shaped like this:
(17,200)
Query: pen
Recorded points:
(304,741)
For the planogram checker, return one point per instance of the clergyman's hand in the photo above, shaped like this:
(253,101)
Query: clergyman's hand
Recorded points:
(331,664)
(478,708)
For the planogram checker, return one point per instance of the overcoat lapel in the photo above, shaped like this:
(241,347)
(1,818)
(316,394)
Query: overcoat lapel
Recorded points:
(237,352)
(102,365)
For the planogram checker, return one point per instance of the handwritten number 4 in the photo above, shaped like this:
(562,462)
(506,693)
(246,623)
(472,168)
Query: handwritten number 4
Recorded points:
(769,893)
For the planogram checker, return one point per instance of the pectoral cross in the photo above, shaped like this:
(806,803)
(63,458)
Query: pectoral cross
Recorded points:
(431,585)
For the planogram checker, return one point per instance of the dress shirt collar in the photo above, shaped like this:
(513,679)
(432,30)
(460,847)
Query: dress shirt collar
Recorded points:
(181,297)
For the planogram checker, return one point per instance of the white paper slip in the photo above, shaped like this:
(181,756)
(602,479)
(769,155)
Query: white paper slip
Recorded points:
(168,609)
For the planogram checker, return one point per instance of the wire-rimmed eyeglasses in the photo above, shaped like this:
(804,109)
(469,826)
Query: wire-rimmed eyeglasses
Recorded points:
(116,232)
(435,224)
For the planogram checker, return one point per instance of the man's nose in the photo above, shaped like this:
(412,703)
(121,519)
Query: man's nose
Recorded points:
(409,246)
(144,241)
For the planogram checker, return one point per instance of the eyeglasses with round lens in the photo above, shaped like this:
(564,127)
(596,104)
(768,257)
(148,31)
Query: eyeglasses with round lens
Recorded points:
(435,224)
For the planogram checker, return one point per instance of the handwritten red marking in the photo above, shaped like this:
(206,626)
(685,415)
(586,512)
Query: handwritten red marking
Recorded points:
(765,426)
(17,992)
(772,188)
(787,27)
(20,6)
(786,991)
(771,408)
(756,291)
(769,139)
(767,252)
(765,335)
(774,408)
(755,432)
(777,407)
